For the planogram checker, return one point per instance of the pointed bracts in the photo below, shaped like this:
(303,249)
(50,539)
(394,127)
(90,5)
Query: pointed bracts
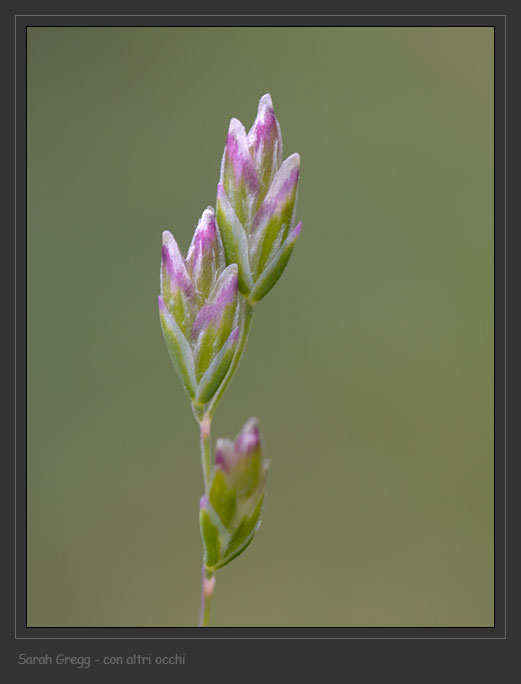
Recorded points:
(199,309)
(230,512)
(256,201)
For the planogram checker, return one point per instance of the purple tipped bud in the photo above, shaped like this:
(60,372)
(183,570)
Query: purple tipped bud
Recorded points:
(220,461)
(248,439)
(205,256)
(280,200)
(162,305)
(203,501)
(248,467)
(174,275)
(235,496)
(224,455)
(204,240)
(265,144)
(295,232)
(238,175)
(285,182)
(234,336)
(237,162)
(241,463)
(275,216)
(218,312)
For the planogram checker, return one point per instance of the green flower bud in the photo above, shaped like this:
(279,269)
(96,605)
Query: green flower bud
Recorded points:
(230,511)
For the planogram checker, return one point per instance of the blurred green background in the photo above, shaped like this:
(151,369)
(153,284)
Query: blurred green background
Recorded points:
(370,366)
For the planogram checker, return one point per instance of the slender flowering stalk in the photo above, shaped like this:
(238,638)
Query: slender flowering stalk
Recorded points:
(206,307)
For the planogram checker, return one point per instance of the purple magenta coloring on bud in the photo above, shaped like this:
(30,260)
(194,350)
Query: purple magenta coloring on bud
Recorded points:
(287,186)
(248,439)
(265,126)
(204,239)
(238,153)
(220,461)
(224,455)
(205,317)
(234,336)
(211,312)
(203,501)
(175,266)
(295,232)
(264,129)
(168,262)
(286,178)
(228,293)
(283,186)
(162,305)
(221,195)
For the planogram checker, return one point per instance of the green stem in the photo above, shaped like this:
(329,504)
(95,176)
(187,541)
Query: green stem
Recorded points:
(205,423)
(208,584)
(206,455)
(247,314)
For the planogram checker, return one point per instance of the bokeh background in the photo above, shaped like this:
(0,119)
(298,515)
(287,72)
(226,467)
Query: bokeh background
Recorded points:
(370,366)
